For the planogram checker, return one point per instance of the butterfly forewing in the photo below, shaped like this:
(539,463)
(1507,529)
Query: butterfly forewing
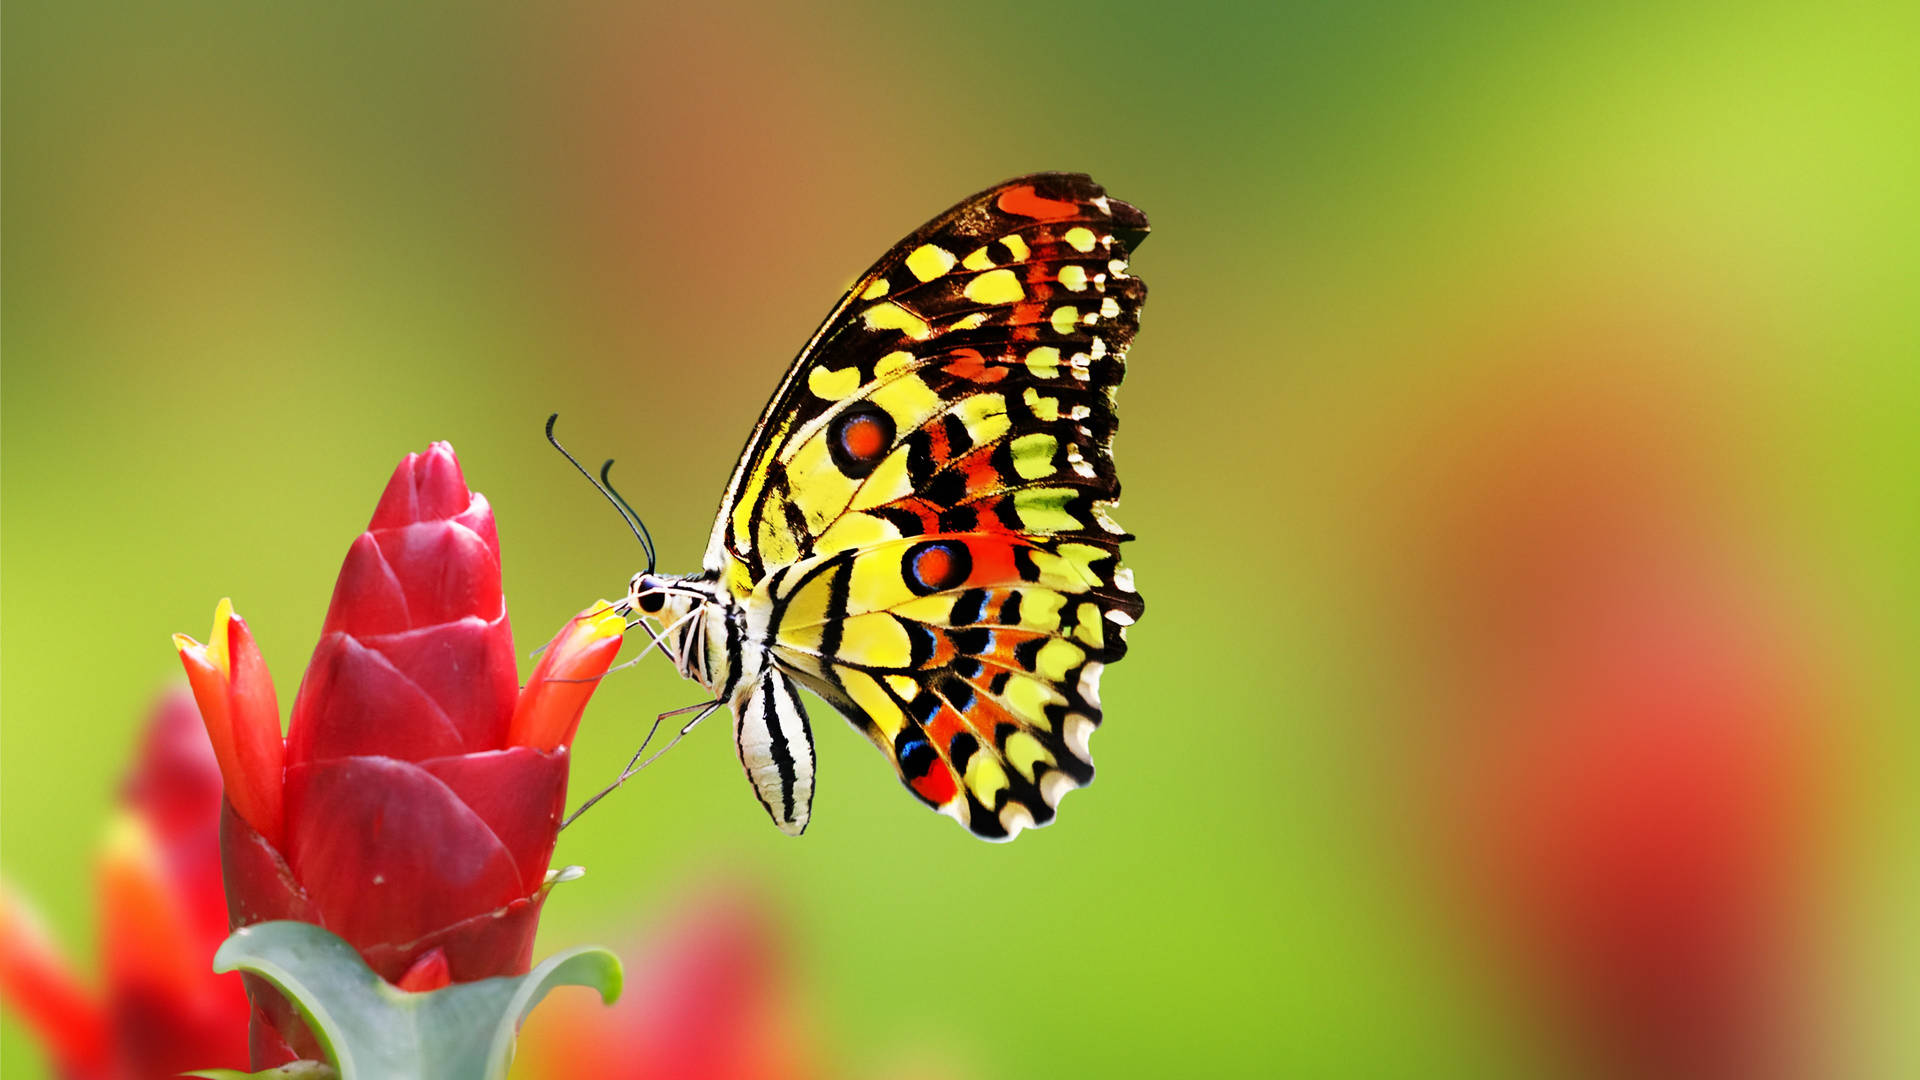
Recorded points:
(924,511)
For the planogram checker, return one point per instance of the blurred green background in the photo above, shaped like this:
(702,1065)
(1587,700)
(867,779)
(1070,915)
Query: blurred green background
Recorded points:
(255,253)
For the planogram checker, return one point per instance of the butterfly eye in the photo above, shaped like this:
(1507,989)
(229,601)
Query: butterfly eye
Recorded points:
(651,602)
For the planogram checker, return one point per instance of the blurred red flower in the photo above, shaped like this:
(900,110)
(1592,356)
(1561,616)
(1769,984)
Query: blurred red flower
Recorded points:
(413,806)
(707,1002)
(709,999)
(1632,724)
(161,1008)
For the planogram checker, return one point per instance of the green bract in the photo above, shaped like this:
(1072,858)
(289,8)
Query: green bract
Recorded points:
(371,1030)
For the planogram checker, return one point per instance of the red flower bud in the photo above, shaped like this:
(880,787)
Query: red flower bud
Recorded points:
(422,790)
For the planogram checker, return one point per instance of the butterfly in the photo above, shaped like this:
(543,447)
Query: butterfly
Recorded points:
(918,530)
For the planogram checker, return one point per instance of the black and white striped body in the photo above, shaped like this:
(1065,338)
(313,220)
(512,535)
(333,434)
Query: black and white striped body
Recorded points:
(713,640)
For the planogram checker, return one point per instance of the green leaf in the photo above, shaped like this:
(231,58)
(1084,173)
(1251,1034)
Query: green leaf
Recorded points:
(371,1030)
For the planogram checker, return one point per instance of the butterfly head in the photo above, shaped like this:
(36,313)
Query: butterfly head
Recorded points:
(673,608)
(650,595)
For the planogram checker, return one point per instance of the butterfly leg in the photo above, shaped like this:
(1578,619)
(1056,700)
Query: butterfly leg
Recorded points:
(634,764)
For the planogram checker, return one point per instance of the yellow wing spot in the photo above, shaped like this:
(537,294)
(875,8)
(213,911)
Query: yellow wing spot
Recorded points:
(1074,277)
(1033,455)
(876,290)
(833,385)
(1099,347)
(887,482)
(971,322)
(1092,628)
(1043,408)
(908,400)
(1045,509)
(995,287)
(1044,362)
(891,316)
(1024,751)
(978,259)
(856,531)
(985,778)
(1081,558)
(929,261)
(1062,319)
(1040,610)
(937,608)
(903,687)
(1109,307)
(1080,237)
(873,700)
(985,417)
(893,364)
(1057,657)
(818,486)
(1028,698)
(1016,245)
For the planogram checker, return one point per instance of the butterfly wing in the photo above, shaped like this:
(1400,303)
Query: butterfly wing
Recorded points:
(922,515)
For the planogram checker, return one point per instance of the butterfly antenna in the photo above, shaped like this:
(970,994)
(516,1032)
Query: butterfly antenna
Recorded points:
(632,515)
(619,505)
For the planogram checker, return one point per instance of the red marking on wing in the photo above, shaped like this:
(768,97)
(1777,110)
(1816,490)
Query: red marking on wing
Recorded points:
(1027,202)
(933,566)
(864,438)
(938,786)
(992,561)
(946,724)
(970,365)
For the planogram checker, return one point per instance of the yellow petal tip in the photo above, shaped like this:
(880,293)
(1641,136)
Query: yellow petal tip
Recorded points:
(604,621)
(217,640)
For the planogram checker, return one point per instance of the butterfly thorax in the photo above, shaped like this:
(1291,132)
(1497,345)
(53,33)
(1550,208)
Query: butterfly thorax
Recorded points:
(699,626)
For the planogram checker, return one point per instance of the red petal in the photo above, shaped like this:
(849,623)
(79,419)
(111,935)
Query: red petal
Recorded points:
(467,669)
(42,991)
(146,938)
(259,748)
(497,942)
(425,486)
(388,852)
(355,702)
(260,888)
(175,782)
(519,794)
(446,571)
(260,885)
(550,707)
(367,596)
(429,972)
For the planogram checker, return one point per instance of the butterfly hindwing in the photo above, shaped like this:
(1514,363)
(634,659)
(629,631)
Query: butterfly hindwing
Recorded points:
(924,509)
(982,692)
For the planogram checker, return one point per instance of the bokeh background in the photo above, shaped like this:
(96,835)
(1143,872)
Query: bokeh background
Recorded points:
(1522,438)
